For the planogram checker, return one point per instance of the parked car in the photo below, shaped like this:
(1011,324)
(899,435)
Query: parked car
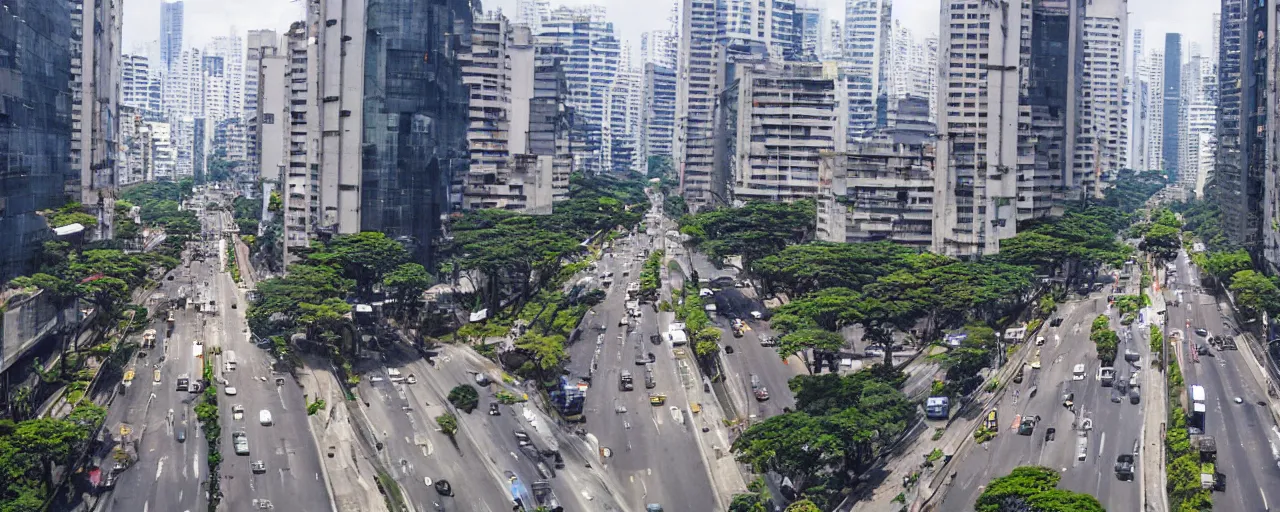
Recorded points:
(259,467)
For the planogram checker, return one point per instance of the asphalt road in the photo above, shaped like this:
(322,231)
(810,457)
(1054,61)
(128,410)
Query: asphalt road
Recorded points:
(576,486)
(415,450)
(1247,438)
(1115,425)
(655,455)
(293,478)
(750,358)
(168,475)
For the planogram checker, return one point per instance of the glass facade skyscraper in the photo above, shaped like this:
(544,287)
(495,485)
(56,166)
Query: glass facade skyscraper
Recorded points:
(35,124)
(415,117)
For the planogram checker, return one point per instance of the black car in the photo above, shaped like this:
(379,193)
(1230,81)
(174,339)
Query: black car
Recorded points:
(728,349)
(443,488)
(493,409)
(1055,322)
(1201,331)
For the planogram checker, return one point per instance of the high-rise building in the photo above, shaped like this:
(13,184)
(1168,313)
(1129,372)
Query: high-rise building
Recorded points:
(513,130)
(1135,155)
(95,98)
(163,156)
(224,110)
(698,83)
(881,188)
(1103,133)
(289,128)
(1050,106)
(35,131)
(135,147)
(975,179)
(868,29)
(391,129)
(1201,119)
(777,121)
(260,44)
(807,26)
(1240,172)
(591,70)
(171,21)
(832,40)
(1172,100)
(624,117)
(757,28)
(662,47)
(659,113)
(140,86)
(913,67)
(1154,126)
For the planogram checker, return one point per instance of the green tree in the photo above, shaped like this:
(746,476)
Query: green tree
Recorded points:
(753,231)
(547,351)
(464,397)
(365,257)
(71,213)
(1255,293)
(706,341)
(1162,239)
(803,506)
(804,340)
(448,425)
(1033,489)
(1224,265)
(407,283)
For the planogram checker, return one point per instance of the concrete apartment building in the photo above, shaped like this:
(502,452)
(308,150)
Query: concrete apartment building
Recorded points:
(517,134)
(172,14)
(135,148)
(259,44)
(977,182)
(777,121)
(1136,153)
(881,188)
(698,84)
(95,98)
(591,69)
(1154,125)
(623,113)
(287,123)
(140,86)
(659,113)
(807,26)
(1103,136)
(868,34)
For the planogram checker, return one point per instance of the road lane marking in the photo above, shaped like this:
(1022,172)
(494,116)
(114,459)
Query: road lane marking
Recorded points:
(195,464)
(159,468)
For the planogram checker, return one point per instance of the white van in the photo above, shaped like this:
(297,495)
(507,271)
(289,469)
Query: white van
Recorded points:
(264,417)
(1077,373)
(394,374)
(229,358)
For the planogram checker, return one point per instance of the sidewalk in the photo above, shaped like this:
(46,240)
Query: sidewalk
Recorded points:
(351,478)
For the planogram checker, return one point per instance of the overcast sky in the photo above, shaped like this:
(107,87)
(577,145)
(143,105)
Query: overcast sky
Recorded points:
(208,18)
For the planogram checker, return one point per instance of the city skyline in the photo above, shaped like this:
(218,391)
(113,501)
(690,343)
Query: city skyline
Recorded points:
(206,19)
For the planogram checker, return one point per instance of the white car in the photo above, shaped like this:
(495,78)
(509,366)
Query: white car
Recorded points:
(237,412)
(757,315)
(230,390)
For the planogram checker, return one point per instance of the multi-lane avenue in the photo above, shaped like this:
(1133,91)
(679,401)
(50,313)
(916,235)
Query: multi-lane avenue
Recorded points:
(1100,424)
(1246,435)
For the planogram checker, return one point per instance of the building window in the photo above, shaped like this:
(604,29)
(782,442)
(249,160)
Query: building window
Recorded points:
(268,118)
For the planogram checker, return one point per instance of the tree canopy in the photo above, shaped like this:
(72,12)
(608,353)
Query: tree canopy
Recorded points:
(840,425)
(753,231)
(30,450)
(1033,489)
(1255,293)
